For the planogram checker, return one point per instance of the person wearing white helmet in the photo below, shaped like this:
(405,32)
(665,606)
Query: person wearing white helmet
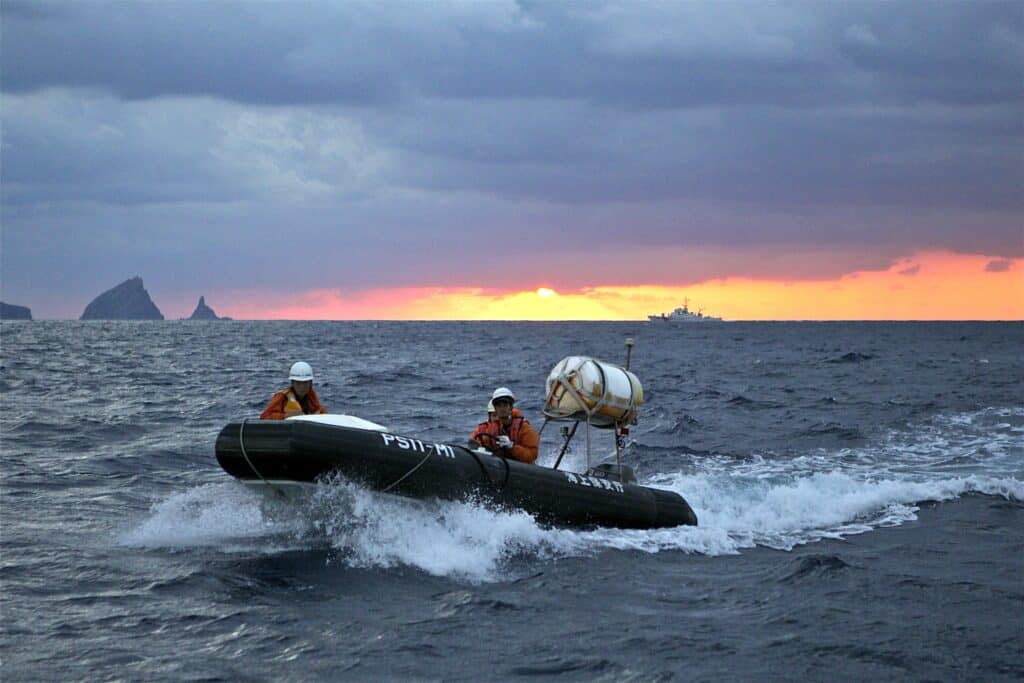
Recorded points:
(298,399)
(508,434)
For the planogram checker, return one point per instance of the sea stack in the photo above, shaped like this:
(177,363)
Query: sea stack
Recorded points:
(128,301)
(203,312)
(12,312)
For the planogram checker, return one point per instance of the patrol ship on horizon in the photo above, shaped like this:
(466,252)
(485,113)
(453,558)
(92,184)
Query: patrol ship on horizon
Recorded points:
(683,314)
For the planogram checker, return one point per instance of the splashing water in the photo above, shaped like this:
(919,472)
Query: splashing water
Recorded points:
(225,515)
(740,504)
(442,538)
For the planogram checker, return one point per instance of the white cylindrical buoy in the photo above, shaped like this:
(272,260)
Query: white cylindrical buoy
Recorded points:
(589,390)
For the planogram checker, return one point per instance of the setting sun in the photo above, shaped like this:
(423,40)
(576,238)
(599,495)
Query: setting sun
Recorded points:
(927,286)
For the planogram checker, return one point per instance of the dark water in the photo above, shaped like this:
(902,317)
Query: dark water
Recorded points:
(860,489)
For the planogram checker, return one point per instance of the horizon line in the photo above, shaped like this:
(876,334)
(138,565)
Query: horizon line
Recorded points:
(528,320)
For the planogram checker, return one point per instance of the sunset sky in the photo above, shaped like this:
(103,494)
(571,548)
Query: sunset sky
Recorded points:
(516,160)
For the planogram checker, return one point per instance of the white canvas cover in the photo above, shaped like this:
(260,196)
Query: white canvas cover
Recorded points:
(339,420)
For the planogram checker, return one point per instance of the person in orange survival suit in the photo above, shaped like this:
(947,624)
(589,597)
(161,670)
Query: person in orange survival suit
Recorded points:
(298,399)
(508,433)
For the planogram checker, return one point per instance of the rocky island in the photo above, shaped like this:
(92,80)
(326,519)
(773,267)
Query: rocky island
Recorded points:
(128,301)
(12,312)
(204,312)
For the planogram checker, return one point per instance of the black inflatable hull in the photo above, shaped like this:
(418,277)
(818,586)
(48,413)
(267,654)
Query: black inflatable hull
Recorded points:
(295,451)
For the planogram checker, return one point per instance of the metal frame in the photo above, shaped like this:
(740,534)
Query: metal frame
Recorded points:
(563,382)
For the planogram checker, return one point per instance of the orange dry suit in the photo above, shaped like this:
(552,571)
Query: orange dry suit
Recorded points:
(525,440)
(285,404)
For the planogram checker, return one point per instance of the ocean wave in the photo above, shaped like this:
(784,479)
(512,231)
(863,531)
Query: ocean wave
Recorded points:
(851,357)
(741,401)
(226,516)
(463,539)
(473,542)
(813,566)
(742,502)
(684,425)
(833,429)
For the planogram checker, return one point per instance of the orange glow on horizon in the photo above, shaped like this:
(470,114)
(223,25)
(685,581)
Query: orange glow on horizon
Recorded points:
(928,286)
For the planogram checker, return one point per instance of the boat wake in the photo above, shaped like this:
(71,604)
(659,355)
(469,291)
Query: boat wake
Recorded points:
(741,504)
(442,538)
(362,528)
(224,516)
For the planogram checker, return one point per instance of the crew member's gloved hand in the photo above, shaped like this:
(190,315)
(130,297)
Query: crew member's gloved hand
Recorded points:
(504,442)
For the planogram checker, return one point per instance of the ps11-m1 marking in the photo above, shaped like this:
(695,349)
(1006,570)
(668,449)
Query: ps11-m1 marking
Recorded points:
(417,445)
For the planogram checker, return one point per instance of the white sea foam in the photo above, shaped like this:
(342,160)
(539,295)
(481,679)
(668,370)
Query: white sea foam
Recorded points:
(224,515)
(778,503)
(781,503)
(782,514)
(442,538)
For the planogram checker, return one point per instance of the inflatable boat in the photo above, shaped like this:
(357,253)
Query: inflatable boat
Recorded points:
(280,455)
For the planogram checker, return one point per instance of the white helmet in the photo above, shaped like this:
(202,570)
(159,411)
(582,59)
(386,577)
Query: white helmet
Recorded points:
(503,392)
(490,407)
(301,372)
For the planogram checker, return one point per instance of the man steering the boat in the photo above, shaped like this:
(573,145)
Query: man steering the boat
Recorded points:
(508,434)
(298,399)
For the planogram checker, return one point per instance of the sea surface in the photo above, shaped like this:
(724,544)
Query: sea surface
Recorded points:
(860,490)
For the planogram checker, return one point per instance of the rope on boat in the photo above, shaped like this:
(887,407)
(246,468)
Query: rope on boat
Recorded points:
(483,468)
(478,461)
(241,445)
(508,473)
(402,478)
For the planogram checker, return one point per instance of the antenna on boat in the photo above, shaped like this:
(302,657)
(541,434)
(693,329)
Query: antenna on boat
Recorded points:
(621,427)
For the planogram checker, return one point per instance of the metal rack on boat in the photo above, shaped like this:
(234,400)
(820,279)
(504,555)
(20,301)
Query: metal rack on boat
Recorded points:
(598,394)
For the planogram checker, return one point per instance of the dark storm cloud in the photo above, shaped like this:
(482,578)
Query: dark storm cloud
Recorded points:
(635,55)
(589,102)
(403,131)
(254,53)
(928,157)
(998,266)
